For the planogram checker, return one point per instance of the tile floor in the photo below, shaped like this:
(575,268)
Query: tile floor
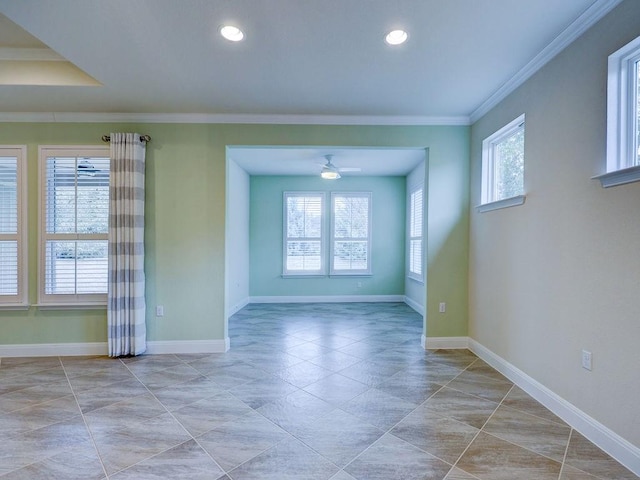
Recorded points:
(331,391)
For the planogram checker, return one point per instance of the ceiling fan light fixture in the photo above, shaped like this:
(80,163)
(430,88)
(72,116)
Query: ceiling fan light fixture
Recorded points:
(231,33)
(396,37)
(329,170)
(329,174)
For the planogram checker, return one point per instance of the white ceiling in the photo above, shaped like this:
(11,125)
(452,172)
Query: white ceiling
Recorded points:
(299,57)
(302,61)
(309,160)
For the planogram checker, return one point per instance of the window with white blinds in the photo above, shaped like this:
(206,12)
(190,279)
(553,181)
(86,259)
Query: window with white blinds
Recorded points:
(351,233)
(74,224)
(416,203)
(13,290)
(304,233)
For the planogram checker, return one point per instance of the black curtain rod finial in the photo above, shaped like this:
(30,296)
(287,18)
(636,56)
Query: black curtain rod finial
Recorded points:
(143,138)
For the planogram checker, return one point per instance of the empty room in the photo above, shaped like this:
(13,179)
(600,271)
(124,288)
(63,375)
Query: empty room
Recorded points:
(293,239)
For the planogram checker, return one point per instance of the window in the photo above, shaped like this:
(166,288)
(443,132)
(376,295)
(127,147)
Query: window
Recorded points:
(74,217)
(503,166)
(415,232)
(13,241)
(351,232)
(623,116)
(303,233)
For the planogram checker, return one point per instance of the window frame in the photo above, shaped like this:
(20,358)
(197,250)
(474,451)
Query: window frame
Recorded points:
(323,237)
(488,187)
(21,299)
(410,232)
(622,163)
(62,300)
(350,272)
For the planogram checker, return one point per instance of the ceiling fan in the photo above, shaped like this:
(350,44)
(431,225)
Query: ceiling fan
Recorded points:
(331,172)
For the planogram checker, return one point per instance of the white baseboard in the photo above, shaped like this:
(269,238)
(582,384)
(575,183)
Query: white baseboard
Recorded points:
(612,443)
(100,348)
(54,349)
(327,299)
(238,306)
(187,346)
(415,305)
(450,343)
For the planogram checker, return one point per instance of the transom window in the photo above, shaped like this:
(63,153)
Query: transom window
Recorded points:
(503,163)
(74,216)
(13,264)
(623,116)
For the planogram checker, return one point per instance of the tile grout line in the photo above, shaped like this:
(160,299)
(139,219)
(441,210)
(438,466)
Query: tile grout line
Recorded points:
(480,430)
(509,441)
(388,431)
(395,425)
(339,408)
(36,405)
(84,420)
(293,436)
(172,416)
(385,432)
(290,434)
(564,458)
(501,404)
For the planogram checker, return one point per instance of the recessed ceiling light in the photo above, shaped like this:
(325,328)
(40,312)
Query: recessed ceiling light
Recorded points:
(231,33)
(396,37)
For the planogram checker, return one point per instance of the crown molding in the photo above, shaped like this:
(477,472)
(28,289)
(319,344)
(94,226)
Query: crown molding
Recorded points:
(82,117)
(585,21)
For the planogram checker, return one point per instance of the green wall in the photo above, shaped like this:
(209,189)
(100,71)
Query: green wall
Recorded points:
(387,237)
(185,208)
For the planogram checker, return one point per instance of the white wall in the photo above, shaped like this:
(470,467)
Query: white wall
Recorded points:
(237,238)
(415,291)
(562,272)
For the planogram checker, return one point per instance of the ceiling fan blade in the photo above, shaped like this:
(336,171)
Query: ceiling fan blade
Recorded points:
(350,169)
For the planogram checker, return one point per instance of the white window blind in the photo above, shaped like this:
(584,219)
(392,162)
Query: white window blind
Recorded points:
(76,220)
(12,226)
(351,232)
(304,239)
(415,233)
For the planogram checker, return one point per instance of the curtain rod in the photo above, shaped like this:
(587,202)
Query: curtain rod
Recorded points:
(143,138)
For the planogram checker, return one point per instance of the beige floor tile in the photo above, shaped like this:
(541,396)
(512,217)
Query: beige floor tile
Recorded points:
(490,458)
(329,392)
(534,433)
(585,456)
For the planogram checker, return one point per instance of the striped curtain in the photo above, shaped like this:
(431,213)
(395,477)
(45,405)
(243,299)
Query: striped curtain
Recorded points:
(125,297)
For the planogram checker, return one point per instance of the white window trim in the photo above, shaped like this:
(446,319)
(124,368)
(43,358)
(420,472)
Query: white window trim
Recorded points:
(21,300)
(48,300)
(410,274)
(621,117)
(353,273)
(323,235)
(504,203)
(487,201)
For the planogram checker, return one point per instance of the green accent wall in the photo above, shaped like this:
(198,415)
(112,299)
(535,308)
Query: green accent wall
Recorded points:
(185,224)
(387,237)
